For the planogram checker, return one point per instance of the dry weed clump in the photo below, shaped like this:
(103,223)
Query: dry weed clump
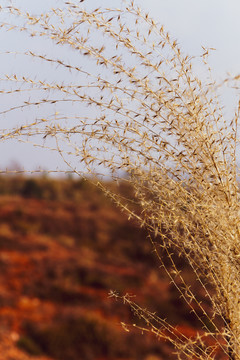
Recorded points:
(130,105)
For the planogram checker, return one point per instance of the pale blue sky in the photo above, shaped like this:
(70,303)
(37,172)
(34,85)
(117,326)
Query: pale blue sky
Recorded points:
(211,23)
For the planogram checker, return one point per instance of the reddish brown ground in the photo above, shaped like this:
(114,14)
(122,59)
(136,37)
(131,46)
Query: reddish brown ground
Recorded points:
(63,247)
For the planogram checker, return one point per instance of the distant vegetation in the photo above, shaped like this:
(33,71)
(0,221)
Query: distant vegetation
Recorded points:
(44,187)
(58,264)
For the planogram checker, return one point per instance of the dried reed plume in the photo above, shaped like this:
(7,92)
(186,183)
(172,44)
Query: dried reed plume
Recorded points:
(135,110)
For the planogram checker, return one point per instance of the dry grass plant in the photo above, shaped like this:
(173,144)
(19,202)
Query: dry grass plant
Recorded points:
(143,116)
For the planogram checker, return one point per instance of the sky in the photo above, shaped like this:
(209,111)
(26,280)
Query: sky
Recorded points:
(208,23)
(211,23)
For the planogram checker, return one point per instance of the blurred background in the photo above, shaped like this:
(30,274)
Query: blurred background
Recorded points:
(63,247)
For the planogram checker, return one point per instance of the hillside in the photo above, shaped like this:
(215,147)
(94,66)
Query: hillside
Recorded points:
(63,247)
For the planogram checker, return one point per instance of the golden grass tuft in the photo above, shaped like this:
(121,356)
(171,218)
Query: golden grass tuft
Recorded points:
(137,111)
